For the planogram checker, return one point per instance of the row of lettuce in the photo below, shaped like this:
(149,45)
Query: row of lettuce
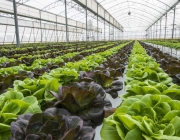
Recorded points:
(167,62)
(41,62)
(175,44)
(40,66)
(34,53)
(44,47)
(41,46)
(32,95)
(150,109)
(45,44)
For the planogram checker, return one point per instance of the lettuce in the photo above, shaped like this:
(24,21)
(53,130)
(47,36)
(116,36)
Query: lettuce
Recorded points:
(145,117)
(151,110)
(37,88)
(13,104)
(136,87)
(52,124)
(83,99)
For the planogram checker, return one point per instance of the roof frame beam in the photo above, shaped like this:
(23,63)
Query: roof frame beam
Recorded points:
(144,12)
(144,17)
(157,0)
(20,2)
(138,10)
(133,20)
(136,18)
(164,14)
(134,3)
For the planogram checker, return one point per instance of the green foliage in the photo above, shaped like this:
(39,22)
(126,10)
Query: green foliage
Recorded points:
(148,117)
(136,87)
(12,104)
(64,75)
(142,67)
(26,95)
(171,44)
(37,88)
(151,107)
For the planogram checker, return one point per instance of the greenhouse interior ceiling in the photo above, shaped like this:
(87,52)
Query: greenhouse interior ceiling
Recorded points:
(83,20)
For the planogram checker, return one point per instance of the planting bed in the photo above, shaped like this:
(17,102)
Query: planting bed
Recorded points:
(118,91)
(150,108)
(33,96)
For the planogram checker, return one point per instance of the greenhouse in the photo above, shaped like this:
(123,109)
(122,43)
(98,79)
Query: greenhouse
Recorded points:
(89,69)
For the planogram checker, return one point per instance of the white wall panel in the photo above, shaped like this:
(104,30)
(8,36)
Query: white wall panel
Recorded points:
(101,11)
(94,6)
(107,16)
(34,13)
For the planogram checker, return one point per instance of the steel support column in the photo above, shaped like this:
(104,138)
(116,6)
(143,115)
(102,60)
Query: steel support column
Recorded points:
(146,34)
(5,35)
(14,37)
(67,32)
(37,35)
(109,28)
(113,33)
(151,32)
(34,33)
(156,30)
(47,35)
(56,30)
(22,35)
(30,35)
(41,26)
(97,23)
(173,25)
(16,24)
(76,31)
(160,29)
(51,35)
(86,21)
(104,27)
(174,22)
(165,27)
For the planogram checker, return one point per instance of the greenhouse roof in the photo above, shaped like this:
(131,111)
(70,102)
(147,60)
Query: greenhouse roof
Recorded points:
(132,15)
(137,14)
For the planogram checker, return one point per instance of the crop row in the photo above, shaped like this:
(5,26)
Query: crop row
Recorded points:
(80,99)
(168,63)
(33,61)
(166,43)
(151,108)
(50,52)
(10,51)
(44,45)
(40,66)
